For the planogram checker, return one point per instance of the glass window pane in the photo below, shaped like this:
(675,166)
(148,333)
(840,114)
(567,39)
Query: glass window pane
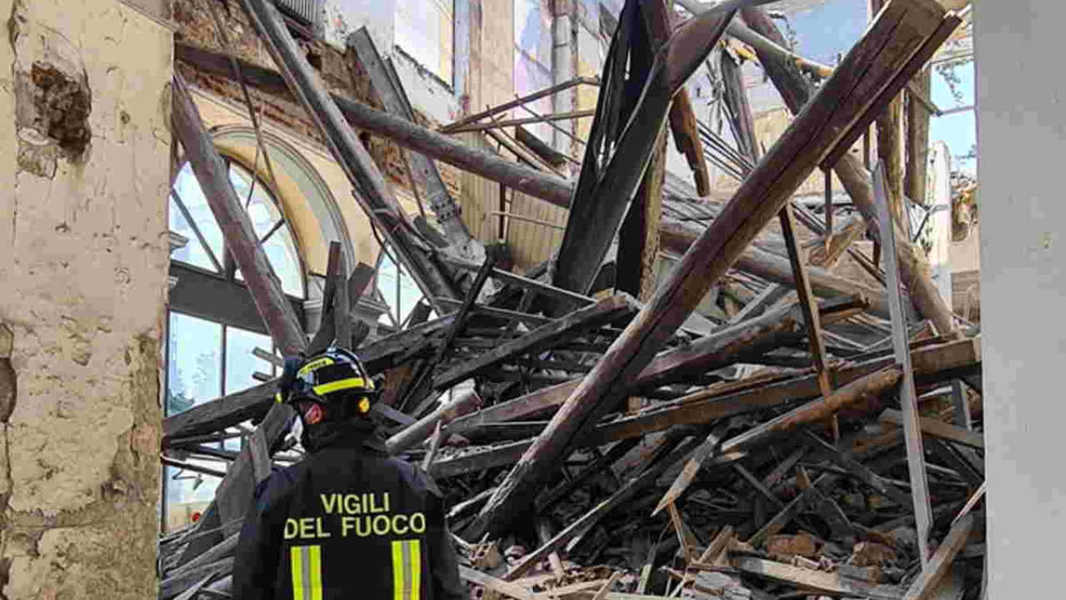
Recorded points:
(240,362)
(398,289)
(410,294)
(261,208)
(192,252)
(280,247)
(386,281)
(188,189)
(188,493)
(194,369)
(281,251)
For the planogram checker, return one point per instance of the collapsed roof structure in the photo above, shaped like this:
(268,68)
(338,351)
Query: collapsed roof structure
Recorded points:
(567,419)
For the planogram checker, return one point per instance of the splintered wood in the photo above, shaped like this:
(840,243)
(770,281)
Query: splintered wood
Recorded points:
(591,446)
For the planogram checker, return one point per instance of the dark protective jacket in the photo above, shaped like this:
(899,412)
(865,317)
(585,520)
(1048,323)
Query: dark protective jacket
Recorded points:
(347,522)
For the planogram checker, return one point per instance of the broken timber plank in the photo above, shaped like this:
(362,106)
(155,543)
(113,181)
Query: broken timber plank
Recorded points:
(489,582)
(423,386)
(419,431)
(810,579)
(795,90)
(677,236)
(938,429)
(854,392)
(683,122)
(702,407)
(923,587)
(711,352)
(586,521)
(377,201)
(806,300)
(356,284)
(908,397)
(608,310)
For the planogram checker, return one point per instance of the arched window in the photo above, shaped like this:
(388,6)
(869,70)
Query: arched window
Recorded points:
(214,329)
(191,217)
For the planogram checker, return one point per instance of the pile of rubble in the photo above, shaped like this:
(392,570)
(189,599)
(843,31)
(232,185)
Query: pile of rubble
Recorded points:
(796,447)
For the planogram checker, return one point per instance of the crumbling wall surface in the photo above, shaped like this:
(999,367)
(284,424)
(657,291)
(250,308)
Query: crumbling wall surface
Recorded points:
(84,148)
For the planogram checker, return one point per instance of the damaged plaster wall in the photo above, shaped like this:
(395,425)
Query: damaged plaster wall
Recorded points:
(83,260)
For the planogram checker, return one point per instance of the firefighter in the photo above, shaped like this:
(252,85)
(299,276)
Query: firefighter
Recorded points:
(348,521)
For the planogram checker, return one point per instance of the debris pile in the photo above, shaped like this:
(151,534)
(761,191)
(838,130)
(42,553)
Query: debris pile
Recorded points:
(815,440)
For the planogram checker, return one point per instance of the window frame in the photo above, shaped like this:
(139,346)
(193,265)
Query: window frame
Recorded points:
(165,478)
(221,298)
(206,304)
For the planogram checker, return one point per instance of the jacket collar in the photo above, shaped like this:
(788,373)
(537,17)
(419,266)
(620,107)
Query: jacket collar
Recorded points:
(355,435)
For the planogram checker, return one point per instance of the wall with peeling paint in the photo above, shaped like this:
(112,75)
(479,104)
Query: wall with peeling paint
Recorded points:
(84,151)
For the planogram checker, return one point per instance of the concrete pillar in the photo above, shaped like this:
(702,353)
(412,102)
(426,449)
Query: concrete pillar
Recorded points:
(1021,141)
(84,173)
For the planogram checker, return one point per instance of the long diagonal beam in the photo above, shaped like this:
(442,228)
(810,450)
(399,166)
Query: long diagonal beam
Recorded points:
(236,489)
(677,236)
(795,90)
(883,53)
(378,202)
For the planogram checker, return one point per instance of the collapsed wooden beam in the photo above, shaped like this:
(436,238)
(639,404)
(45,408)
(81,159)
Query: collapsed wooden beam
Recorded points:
(871,385)
(810,579)
(720,349)
(677,236)
(377,201)
(211,171)
(603,194)
(931,364)
(883,53)
(236,489)
(923,587)
(608,310)
(795,90)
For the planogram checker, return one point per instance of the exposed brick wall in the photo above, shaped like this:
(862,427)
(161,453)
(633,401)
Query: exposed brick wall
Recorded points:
(341,74)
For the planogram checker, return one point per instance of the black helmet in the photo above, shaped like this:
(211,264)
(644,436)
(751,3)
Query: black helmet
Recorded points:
(336,380)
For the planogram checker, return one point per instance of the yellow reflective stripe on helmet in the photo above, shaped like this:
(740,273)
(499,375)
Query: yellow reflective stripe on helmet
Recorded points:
(306,566)
(315,364)
(406,570)
(343,384)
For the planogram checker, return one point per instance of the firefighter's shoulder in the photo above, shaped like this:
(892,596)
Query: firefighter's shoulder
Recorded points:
(278,485)
(416,477)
